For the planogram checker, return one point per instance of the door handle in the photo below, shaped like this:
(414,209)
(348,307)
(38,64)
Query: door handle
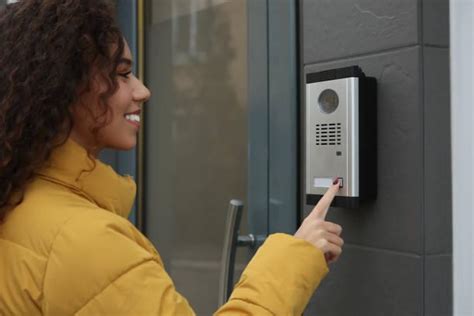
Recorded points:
(232,240)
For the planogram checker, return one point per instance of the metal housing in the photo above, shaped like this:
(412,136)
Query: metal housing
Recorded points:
(332,140)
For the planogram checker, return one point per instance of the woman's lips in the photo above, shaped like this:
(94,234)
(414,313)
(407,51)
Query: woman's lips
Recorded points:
(135,121)
(136,124)
(135,112)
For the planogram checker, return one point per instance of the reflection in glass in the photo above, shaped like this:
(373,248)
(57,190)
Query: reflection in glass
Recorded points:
(196,136)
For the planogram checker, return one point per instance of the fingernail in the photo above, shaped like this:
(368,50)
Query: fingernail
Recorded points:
(336,181)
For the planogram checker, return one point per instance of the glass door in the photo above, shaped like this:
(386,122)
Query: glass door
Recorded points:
(221,125)
(196,136)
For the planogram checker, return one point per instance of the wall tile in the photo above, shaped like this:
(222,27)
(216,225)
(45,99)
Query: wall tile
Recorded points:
(339,28)
(394,220)
(437,158)
(436,22)
(438,286)
(370,283)
(414,180)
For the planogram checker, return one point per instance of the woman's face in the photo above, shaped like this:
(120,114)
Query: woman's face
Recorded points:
(125,111)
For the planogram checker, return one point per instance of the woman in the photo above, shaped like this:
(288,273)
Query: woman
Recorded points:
(66,247)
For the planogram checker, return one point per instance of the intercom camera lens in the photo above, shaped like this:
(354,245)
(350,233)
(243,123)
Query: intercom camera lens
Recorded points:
(328,101)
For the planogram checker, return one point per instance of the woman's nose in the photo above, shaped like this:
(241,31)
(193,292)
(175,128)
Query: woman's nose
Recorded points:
(142,93)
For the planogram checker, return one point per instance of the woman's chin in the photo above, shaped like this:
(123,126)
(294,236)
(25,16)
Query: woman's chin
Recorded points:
(124,145)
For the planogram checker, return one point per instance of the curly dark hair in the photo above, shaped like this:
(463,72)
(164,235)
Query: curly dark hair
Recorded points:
(48,49)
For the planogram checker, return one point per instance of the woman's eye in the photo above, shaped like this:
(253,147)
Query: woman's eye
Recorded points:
(126,74)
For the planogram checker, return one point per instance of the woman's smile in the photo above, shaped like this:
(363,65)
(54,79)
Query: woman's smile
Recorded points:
(133,118)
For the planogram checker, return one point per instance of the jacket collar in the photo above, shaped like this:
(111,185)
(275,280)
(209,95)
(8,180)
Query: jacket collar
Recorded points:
(71,167)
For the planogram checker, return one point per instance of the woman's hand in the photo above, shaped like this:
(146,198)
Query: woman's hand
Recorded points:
(323,235)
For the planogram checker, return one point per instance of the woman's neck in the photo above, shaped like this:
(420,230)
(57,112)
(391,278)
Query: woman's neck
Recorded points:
(94,150)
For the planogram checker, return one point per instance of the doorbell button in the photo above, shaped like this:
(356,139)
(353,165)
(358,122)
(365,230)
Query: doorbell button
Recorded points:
(341,183)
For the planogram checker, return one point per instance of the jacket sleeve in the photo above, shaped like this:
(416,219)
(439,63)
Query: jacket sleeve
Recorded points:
(101,265)
(279,280)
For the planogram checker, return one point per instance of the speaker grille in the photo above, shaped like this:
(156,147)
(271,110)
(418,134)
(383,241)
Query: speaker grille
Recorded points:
(328,134)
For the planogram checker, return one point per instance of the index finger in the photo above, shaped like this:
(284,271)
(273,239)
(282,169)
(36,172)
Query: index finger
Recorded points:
(321,209)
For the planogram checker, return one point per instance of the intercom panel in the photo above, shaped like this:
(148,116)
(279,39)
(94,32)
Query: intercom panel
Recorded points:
(340,135)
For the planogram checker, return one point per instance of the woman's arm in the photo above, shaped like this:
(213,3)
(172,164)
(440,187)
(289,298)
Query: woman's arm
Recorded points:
(279,280)
(100,264)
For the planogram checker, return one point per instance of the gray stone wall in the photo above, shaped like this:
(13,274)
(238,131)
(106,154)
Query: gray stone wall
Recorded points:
(398,252)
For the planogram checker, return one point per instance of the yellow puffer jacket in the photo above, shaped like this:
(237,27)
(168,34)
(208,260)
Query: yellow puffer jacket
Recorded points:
(69,249)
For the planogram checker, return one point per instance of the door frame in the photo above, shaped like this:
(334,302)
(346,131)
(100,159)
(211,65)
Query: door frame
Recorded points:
(273,117)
